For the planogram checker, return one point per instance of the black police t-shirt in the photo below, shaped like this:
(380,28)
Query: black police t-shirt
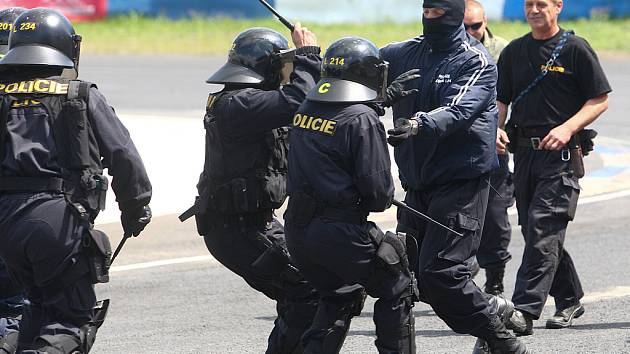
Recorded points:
(574,78)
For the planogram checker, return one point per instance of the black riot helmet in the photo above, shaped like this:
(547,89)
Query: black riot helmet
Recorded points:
(352,71)
(7,17)
(43,37)
(255,59)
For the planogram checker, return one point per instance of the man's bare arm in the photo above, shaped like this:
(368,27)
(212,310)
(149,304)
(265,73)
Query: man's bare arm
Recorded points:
(560,135)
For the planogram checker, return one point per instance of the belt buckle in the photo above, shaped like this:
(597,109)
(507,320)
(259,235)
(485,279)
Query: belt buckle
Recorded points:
(535,143)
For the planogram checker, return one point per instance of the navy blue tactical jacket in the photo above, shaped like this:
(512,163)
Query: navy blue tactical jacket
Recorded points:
(339,154)
(31,151)
(456,107)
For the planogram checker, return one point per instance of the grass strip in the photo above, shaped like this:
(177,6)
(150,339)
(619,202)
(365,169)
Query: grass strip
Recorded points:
(134,34)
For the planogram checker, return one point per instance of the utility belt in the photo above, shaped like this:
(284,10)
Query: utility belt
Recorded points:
(89,191)
(304,207)
(256,220)
(580,145)
(32,184)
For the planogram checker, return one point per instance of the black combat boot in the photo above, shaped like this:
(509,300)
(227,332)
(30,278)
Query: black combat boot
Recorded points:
(521,323)
(503,308)
(494,280)
(497,340)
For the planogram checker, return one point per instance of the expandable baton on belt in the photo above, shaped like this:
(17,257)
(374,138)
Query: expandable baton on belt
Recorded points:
(284,21)
(424,217)
(119,248)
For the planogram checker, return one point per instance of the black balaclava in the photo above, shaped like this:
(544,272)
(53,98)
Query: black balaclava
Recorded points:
(438,30)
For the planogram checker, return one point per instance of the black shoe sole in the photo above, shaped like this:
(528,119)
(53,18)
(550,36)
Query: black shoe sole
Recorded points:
(552,324)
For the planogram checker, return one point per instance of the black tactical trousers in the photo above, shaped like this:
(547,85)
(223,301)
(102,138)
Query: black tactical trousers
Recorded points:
(241,251)
(40,240)
(546,198)
(444,275)
(340,259)
(497,231)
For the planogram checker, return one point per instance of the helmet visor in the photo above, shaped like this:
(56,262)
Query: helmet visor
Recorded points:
(331,89)
(235,74)
(36,55)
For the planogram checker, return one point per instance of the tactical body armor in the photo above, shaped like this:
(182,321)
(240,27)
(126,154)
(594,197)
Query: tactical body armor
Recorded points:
(66,105)
(241,176)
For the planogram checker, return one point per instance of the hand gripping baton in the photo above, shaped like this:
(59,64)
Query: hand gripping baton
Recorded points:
(284,21)
(418,214)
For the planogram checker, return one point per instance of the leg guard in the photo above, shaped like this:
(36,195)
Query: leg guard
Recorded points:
(337,334)
(294,318)
(89,330)
(331,324)
(395,325)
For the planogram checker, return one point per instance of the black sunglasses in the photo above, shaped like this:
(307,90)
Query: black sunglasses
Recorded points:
(474,26)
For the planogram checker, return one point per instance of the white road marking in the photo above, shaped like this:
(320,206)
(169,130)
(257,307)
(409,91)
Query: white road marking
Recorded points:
(163,262)
(179,132)
(611,293)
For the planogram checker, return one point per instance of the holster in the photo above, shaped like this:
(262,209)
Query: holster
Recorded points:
(95,188)
(301,209)
(577,158)
(99,251)
(274,260)
(201,218)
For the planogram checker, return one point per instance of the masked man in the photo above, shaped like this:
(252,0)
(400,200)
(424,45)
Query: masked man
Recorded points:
(444,147)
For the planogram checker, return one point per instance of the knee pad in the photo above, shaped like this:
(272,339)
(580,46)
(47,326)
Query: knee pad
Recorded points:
(392,250)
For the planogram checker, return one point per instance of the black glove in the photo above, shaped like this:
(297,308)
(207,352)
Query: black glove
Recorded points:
(403,129)
(398,88)
(135,220)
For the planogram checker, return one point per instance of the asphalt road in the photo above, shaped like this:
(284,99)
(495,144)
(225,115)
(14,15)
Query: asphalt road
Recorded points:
(169,296)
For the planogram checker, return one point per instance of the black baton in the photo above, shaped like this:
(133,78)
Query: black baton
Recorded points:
(284,21)
(119,248)
(424,217)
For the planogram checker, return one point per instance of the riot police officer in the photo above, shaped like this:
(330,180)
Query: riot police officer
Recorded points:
(11,297)
(56,136)
(339,172)
(443,140)
(244,176)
